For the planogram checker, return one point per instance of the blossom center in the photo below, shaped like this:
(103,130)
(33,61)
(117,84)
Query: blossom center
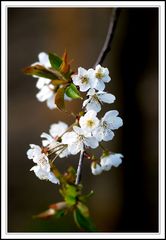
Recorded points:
(90,123)
(99,75)
(84,79)
(42,162)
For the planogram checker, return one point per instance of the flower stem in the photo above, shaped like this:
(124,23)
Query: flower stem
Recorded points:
(101,145)
(78,174)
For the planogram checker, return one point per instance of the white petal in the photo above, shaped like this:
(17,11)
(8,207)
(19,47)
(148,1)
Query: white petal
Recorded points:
(69,137)
(116,123)
(91,92)
(48,140)
(30,154)
(41,174)
(106,79)
(41,82)
(91,142)
(100,85)
(108,135)
(106,163)
(75,147)
(98,133)
(96,168)
(85,102)
(93,105)
(109,115)
(51,102)
(106,97)
(44,60)
(76,79)
(44,94)
(82,71)
(35,168)
(57,129)
(64,153)
(84,87)
(90,114)
(116,159)
(51,177)
(78,130)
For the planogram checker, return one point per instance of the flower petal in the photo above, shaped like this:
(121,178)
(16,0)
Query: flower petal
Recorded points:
(108,135)
(116,159)
(44,60)
(106,97)
(57,129)
(51,102)
(69,137)
(91,142)
(96,168)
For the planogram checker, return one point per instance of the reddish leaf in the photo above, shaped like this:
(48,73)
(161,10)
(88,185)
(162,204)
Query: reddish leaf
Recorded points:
(46,214)
(39,71)
(59,98)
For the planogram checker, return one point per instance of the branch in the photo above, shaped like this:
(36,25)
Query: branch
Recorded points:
(78,175)
(111,30)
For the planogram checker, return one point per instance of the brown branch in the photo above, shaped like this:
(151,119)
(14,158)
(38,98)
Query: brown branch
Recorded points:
(111,30)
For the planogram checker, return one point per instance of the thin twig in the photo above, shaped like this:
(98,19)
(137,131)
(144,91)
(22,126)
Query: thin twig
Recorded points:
(111,29)
(78,175)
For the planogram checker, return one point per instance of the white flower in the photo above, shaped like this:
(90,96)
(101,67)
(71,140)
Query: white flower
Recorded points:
(89,121)
(51,102)
(42,169)
(101,75)
(96,98)
(43,60)
(109,122)
(77,139)
(44,175)
(41,82)
(35,153)
(58,148)
(57,129)
(96,168)
(83,79)
(48,139)
(47,94)
(113,159)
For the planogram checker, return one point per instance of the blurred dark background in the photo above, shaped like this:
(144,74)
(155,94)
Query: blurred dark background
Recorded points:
(126,198)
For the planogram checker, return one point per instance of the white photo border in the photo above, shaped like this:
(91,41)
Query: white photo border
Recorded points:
(4,118)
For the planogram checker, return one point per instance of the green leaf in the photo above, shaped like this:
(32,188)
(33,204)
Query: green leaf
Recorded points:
(55,61)
(60,213)
(59,98)
(39,71)
(83,209)
(72,91)
(70,194)
(83,221)
(85,197)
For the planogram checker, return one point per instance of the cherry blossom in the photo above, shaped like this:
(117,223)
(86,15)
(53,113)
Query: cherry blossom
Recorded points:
(109,122)
(96,99)
(78,139)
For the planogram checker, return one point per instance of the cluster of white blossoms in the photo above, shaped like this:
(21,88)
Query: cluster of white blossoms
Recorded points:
(47,154)
(47,90)
(87,132)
